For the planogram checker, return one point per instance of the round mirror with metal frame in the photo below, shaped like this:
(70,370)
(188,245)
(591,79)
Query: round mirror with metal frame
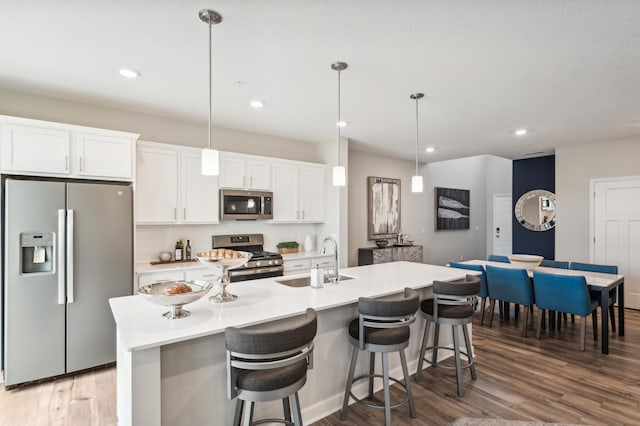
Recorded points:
(536,210)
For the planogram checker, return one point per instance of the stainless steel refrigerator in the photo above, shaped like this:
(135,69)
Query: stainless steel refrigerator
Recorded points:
(67,250)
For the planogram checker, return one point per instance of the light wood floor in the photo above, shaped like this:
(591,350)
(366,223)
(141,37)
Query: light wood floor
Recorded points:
(518,378)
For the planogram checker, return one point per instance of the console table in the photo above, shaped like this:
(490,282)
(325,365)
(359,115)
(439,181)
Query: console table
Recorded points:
(375,255)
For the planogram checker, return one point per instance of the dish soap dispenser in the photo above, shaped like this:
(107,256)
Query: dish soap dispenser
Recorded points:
(316,277)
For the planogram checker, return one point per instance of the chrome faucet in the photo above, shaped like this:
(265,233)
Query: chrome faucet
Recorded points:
(335,278)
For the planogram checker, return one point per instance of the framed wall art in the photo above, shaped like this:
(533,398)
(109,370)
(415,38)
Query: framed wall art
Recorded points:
(452,208)
(383,207)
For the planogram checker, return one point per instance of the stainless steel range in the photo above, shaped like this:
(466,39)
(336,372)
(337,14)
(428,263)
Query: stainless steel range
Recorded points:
(263,264)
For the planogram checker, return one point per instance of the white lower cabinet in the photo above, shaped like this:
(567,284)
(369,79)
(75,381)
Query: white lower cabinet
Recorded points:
(303,265)
(170,188)
(298,192)
(201,274)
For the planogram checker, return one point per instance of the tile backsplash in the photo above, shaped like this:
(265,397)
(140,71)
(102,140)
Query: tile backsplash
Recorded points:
(153,239)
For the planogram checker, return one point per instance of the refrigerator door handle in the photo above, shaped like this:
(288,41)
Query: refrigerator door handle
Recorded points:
(60,256)
(69,256)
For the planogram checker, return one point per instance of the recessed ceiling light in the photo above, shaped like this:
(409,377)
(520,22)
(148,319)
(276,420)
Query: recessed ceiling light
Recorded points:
(129,73)
(256,104)
(520,132)
(430,149)
(341,123)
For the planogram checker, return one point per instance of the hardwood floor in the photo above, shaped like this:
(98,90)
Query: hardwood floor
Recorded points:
(519,378)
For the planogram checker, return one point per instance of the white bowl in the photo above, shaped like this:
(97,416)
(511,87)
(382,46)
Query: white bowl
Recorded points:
(527,261)
(165,256)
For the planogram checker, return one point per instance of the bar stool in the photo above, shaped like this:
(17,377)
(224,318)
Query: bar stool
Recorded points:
(452,304)
(267,364)
(382,326)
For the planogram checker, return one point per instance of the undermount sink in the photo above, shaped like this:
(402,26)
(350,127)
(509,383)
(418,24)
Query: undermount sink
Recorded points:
(306,281)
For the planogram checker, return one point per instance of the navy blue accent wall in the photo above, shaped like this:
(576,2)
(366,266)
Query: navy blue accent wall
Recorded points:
(533,173)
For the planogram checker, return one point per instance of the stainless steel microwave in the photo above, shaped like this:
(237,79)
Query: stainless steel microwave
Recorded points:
(245,205)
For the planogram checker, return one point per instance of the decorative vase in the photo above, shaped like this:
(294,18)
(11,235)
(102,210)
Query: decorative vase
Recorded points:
(308,243)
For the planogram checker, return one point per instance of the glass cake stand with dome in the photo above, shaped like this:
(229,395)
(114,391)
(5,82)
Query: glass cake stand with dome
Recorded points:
(224,265)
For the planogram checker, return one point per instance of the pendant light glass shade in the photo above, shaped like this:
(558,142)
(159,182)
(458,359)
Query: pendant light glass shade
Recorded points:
(210,162)
(339,172)
(339,176)
(416,180)
(210,157)
(416,183)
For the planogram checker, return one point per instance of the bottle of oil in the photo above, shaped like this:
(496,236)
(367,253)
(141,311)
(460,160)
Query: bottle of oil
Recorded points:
(187,251)
(179,249)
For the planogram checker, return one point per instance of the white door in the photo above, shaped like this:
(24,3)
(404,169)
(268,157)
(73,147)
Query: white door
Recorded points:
(502,214)
(616,228)
(285,193)
(199,193)
(311,194)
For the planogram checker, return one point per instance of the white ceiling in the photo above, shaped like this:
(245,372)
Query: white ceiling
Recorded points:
(567,70)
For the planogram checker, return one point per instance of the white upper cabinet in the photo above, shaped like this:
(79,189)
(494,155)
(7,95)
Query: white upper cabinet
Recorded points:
(244,171)
(170,187)
(298,192)
(35,147)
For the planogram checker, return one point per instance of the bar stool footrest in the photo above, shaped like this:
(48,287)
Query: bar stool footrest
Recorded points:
(360,401)
(469,361)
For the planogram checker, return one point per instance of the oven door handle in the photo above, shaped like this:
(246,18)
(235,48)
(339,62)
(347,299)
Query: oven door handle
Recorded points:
(238,272)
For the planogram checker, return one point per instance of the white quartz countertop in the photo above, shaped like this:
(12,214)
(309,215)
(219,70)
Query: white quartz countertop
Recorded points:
(148,268)
(141,326)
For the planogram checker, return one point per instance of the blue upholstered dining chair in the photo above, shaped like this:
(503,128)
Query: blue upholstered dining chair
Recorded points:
(605,269)
(510,285)
(560,264)
(484,292)
(498,258)
(565,293)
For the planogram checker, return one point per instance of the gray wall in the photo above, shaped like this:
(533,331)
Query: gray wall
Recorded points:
(575,166)
(482,175)
(413,206)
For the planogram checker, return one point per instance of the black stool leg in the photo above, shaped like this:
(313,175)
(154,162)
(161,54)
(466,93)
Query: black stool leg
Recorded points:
(287,409)
(423,349)
(436,339)
(405,371)
(347,391)
(372,370)
(467,343)
(456,350)
(387,395)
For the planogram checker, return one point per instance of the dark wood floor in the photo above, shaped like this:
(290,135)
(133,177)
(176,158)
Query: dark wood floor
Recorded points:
(522,378)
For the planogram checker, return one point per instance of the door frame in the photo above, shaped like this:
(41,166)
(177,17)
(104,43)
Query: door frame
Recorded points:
(493,222)
(592,208)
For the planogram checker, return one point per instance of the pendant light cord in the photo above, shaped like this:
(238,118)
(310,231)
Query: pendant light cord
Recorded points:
(338,123)
(417,136)
(210,83)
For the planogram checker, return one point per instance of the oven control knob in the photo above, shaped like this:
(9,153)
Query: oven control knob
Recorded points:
(271,262)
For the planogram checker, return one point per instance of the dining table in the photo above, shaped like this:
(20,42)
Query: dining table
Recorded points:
(596,281)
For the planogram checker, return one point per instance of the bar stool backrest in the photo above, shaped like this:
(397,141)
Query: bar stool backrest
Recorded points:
(386,312)
(484,292)
(455,293)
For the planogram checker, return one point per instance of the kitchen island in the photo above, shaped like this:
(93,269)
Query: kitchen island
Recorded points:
(174,371)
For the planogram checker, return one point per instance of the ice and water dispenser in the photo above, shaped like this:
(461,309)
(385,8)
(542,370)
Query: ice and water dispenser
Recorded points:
(36,252)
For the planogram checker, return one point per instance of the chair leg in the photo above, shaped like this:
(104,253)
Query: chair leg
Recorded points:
(594,322)
(540,318)
(247,416)
(456,351)
(525,323)
(559,318)
(467,343)
(347,391)
(573,318)
(372,370)
(436,339)
(492,305)
(295,404)
(612,318)
(423,349)
(483,303)
(501,308)
(286,406)
(583,332)
(516,312)
(385,384)
(407,384)
(237,418)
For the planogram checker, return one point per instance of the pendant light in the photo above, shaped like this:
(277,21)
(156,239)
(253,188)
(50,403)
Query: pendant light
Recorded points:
(210,160)
(339,174)
(416,180)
